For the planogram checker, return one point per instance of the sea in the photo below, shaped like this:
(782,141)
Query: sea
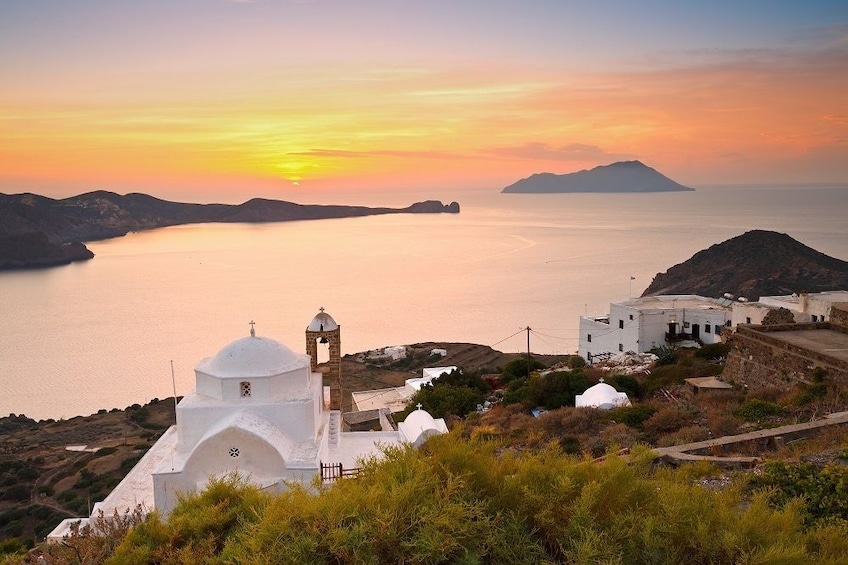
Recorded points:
(105,333)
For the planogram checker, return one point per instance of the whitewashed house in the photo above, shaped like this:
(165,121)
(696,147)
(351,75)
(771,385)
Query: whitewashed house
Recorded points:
(641,324)
(805,307)
(396,399)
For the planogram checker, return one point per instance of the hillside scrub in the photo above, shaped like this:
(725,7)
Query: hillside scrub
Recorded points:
(468,501)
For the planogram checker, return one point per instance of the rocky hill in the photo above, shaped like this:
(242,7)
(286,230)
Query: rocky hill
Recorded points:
(756,263)
(36,231)
(624,176)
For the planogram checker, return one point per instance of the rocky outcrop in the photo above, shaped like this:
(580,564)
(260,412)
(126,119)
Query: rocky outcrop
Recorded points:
(624,176)
(36,231)
(756,263)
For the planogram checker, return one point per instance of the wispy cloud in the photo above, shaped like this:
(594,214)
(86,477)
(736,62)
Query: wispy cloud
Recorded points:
(570,152)
(344,154)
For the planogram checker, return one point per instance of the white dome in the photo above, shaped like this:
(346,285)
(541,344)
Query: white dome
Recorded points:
(252,357)
(419,426)
(322,322)
(602,395)
(420,421)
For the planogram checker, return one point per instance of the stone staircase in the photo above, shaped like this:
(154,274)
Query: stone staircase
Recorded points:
(334,428)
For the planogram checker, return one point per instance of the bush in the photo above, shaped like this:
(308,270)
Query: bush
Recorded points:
(664,376)
(713,351)
(755,410)
(823,491)
(17,493)
(633,416)
(809,393)
(516,370)
(555,390)
(666,355)
(626,383)
(667,420)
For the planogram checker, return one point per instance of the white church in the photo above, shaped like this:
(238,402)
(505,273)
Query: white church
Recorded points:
(258,409)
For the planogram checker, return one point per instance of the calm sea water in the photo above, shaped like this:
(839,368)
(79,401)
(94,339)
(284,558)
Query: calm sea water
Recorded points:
(102,333)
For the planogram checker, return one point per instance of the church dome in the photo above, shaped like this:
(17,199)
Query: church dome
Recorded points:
(322,322)
(601,395)
(252,357)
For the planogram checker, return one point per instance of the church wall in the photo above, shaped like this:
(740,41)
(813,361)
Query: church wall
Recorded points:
(208,386)
(267,388)
(299,418)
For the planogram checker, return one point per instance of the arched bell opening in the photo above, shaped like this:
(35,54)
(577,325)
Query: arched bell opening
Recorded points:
(322,351)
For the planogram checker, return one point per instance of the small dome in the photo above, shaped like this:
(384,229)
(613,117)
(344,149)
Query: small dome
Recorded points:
(420,421)
(602,395)
(322,322)
(251,357)
(419,426)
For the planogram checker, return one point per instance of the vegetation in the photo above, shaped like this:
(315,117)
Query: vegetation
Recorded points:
(467,501)
(457,393)
(820,492)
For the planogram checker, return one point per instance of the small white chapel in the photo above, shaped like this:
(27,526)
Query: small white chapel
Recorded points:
(261,410)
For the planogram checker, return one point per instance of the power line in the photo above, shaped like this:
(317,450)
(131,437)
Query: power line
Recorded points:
(506,338)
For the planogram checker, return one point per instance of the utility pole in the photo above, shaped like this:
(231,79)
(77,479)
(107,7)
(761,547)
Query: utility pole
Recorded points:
(528,352)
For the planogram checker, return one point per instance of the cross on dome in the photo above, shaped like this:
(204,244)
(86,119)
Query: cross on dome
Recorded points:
(321,309)
(418,406)
(252,329)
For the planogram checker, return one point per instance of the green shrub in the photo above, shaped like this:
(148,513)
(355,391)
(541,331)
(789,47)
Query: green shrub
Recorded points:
(633,416)
(755,410)
(668,419)
(822,491)
(666,354)
(555,390)
(809,393)
(713,351)
(664,376)
(516,370)
(626,383)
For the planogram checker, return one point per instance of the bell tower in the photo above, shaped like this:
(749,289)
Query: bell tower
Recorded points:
(324,329)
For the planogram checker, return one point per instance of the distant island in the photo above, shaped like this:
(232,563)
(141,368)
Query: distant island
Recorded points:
(754,264)
(624,176)
(36,231)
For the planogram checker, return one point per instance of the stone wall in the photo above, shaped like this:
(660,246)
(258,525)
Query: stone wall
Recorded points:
(757,360)
(839,314)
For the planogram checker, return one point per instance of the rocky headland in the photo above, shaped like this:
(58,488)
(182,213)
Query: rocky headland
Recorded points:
(754,264)
(36,231)
(623,176)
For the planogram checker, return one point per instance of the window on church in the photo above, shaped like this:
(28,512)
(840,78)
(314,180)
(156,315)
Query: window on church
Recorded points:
(234,452)
(245,388)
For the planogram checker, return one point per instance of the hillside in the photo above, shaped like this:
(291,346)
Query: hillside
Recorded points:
(37,231)
(624,176)
(756,263)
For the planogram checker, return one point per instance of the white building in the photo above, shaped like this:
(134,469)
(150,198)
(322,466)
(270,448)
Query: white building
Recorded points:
(601,396)
(641,324)
(396,399)
(258,409)
(812,307)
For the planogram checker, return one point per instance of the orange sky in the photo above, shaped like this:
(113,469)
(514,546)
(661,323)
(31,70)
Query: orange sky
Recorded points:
(240,99)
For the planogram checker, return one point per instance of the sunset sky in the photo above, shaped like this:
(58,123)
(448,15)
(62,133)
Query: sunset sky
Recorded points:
(225,99)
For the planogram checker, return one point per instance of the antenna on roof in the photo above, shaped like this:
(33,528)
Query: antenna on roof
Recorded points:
(174,382)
